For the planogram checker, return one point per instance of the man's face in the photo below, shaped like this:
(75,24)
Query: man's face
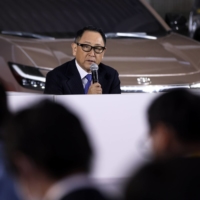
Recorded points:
(85,59)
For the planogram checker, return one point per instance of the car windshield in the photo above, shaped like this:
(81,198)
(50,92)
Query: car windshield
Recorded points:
(62,18)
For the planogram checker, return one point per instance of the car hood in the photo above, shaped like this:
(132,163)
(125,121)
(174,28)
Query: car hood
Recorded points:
(164,60)
(173,59)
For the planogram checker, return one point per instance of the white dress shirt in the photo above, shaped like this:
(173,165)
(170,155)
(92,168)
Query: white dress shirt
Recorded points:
(82,73)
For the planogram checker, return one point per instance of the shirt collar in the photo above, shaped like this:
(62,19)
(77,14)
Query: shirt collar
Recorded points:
(81,71)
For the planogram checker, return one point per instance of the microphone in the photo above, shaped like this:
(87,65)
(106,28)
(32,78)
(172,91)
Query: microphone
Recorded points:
(94,69)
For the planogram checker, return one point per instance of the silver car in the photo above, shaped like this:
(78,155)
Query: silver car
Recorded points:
(36,37)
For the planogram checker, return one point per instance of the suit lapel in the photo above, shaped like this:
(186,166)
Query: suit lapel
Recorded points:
(74,82)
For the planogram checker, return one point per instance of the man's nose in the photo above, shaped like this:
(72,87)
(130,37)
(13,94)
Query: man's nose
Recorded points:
(92,53)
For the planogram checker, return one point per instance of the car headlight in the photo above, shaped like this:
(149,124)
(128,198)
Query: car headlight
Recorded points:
(28,77)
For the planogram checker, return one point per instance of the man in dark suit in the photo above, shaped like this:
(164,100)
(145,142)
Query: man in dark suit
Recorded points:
(49,153)
(74,77)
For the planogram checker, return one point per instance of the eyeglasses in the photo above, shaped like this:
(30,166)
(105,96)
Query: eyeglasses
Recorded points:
(88,48)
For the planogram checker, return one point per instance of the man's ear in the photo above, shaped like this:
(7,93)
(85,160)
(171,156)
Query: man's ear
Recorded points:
(74,49)
(163,139)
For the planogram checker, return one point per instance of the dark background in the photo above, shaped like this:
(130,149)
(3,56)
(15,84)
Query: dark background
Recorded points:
(175,6)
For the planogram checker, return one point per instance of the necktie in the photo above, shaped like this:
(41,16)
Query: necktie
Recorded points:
(89,78)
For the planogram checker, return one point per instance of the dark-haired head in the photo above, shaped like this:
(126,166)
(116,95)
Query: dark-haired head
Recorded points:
(180,110)
(90,28)
(51,137)
(174,124)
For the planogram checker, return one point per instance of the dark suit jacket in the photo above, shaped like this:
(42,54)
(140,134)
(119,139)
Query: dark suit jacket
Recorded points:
(84,194)
(66,79)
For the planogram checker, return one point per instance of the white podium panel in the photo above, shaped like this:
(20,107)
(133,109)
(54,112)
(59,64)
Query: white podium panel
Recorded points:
(19,100)
(117,129)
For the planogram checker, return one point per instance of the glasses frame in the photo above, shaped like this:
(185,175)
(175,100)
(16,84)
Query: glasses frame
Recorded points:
(92,47)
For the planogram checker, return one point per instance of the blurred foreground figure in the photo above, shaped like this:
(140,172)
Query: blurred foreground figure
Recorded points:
(176,179)
(7,190)
(49,153)
(174,120)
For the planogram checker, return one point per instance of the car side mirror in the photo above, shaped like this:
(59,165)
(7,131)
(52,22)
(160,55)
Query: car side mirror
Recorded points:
(177,22)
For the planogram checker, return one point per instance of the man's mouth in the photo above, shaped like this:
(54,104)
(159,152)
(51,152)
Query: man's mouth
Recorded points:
(92,61)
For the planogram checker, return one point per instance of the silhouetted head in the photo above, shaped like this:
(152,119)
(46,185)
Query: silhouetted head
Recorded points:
(51,137)
(174,120)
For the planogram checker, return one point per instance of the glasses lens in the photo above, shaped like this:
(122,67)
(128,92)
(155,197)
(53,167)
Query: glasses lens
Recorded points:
(98,49)
(86,47)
